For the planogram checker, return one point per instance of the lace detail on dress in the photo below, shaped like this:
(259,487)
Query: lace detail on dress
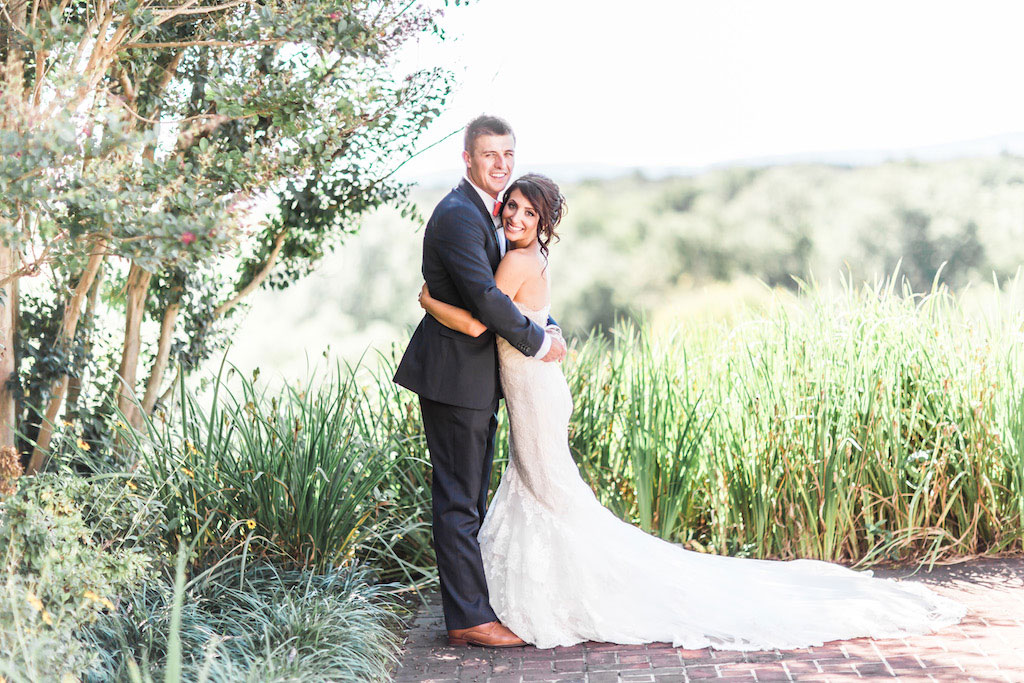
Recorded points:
(562,569)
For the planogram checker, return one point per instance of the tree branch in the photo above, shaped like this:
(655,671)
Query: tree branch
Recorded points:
(156,374)
(169,13)
(257,280)
(195,43)
(32,269)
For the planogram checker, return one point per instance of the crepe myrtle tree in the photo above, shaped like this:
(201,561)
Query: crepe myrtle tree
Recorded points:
(159,161)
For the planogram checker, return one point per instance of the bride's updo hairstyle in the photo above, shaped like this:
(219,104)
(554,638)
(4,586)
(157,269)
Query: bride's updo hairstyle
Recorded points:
(544,196)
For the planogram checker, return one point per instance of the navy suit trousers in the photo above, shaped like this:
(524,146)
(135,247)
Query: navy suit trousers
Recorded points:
(461,443)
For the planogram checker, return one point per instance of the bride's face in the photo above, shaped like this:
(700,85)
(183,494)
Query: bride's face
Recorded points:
(520,220)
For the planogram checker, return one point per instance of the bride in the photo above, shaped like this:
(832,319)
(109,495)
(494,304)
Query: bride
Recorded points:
(562,569)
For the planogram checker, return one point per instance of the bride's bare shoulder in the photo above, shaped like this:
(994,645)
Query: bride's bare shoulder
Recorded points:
(526,261)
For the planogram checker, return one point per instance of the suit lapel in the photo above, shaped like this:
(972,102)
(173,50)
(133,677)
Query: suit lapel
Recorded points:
(466,189)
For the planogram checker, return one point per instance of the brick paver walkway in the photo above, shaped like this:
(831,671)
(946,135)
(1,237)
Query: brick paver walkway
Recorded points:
(987,646)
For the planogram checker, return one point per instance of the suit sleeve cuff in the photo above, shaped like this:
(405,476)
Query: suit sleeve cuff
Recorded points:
(544,347)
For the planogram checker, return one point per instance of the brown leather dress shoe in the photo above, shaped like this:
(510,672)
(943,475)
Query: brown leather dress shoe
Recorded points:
(491,634)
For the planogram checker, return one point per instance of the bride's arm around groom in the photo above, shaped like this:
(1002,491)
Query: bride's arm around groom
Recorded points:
(461,248)
(460,256)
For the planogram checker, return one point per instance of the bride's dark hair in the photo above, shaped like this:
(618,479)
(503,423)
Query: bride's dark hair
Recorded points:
(543,194)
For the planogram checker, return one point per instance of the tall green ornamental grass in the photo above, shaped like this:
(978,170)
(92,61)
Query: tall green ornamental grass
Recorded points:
(304,477)
(870,424)
(860,425)
(863,425)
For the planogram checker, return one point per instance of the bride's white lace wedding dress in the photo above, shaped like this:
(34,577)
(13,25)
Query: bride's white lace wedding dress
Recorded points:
(562,569)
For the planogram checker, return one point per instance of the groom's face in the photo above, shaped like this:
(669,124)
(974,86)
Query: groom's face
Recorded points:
(490,164)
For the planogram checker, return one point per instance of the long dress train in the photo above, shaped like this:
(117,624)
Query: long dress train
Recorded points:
(562,569)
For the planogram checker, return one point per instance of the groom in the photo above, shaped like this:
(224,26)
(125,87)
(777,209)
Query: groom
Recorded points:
(456,376)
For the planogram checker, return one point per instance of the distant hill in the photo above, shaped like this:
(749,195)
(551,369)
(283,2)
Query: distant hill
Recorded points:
(679,247)
(993,146)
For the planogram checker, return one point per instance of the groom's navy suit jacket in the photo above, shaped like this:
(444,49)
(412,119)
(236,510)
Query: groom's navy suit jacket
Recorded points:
(460,256)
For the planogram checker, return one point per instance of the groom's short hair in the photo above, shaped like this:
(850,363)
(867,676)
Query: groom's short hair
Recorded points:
(485,125)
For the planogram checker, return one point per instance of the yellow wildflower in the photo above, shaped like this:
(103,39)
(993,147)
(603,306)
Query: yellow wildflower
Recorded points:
(47,619)
(131,485)
(90,595)
(34,601)
(67,423)
(251,524)
(122,425)
(83,445)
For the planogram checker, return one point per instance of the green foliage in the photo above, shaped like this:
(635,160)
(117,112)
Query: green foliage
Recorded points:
(81,596)
(635,420)
(865,426)
(861,425)
(634,247)
(220,147)
(46,539)
(70,547)
(260,624)
(298,477)
(34,645)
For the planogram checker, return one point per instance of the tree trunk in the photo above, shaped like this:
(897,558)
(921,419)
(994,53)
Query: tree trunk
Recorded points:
(9,262)
(65,336)
(138,285)
(75,383)
(15,324)
(156,375)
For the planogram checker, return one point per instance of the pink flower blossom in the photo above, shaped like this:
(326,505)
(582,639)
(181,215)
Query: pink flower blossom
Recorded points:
(188,237)
(334,16)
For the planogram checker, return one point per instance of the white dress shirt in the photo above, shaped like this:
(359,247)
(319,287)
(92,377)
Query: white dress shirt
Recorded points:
(490,202)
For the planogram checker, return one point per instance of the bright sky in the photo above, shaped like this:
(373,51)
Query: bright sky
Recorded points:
(687,83)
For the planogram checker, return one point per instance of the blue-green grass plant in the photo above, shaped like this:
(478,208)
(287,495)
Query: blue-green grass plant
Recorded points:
(264,624)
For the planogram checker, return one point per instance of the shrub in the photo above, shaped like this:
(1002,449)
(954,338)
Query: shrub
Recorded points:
(45,539)
(69,548)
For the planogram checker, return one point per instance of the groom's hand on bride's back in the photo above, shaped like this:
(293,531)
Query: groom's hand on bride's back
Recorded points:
(557,351)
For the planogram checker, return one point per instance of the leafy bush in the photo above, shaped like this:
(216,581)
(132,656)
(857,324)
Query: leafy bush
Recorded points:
(75,571)
(36,642)
(69,546)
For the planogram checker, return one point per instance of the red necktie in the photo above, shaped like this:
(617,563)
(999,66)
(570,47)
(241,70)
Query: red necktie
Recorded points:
(497,209)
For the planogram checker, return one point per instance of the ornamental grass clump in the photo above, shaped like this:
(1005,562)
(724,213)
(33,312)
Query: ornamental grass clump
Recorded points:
(298,477)
(257,623)
(865,425)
